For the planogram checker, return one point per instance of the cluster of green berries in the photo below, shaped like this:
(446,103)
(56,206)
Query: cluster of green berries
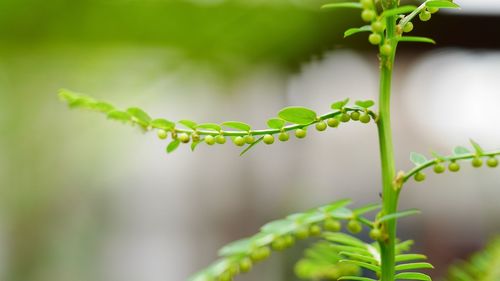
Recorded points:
(453,166)
(425,14)
(369,15)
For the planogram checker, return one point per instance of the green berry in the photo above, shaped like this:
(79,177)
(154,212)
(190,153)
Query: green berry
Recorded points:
(368,15)
(249,139)
(260,254)
(315,230)
(492,162)
(183,137)
(210,140)
(268,139)
(354,226)
(333,122)
(433,10)
(454,167)
(355,115)
(302,233)
(174,134)
(375,38)
(283,136)
(377,26)
(162,134)
(365,118)
(321,126)
(278,244)
(408,27)
(246,265)
(424,16)
(220,139)
(345,117)
(375,234)
(477,162)
(289,240)
(420,176)
(195,137)
(300,133)
(439,168)
(239,141)
(386,49)
(226,276)
(332,225)
(366,4)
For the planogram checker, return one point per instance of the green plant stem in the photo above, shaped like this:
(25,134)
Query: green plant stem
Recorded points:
(389,193)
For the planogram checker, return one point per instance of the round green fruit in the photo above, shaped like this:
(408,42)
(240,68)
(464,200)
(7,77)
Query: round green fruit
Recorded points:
(433,10)
(162,134)
(278,244)
(210,140)
(239,141)
(377,26)
(386,49)
(492,162)
(300,133)
(315,230)
(454,167)
(268,139)
(424,16)
(420,176)
(289,240)
(368,15)
(375,234)
(283,136)
(332,225)
(321,126)
(260,254)
(354,226)
(220,139)
(355,115)
(477,162)
(249,139)
(408,27)
(246,265)
(302,233)
(366,4)
(345,117)
(183,137)
(333,122)
(195,137)
(439,168)
(365,118)
(375,38)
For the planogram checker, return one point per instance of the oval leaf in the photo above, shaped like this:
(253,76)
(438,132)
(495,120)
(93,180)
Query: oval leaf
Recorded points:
(398,215)
(399,10)
(441,4)
(418,39)
(412,276)
(365,103)
(460,150)
(172,146)
(119,115)
(298,115)
(162,124)
(417,158)
(340,104)
(237,125)
(479,150)
(139,115)
(209,126)
(352,5)
(188,124)
(354,30)
(275,123)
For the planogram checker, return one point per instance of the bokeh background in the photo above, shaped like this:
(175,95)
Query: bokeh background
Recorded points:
(82,198)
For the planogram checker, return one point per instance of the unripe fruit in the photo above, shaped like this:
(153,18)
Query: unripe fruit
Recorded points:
(345,117)
(424,16)
(249,139)
(354,226)
(315,230)
(184,138)
(477,162)
(260,254)
(368,15)
(162,134)
(278,244)
(226,276)
(332,225)
(375,38)
(302,233)
(210,140)
(439,168)
(321,126)
(419,176)
(300,133)
(195,137)
(365,118)
(433,10)
(239,141)
(377,26)
(454,167)
(333,122)
(174,134)
(408,27)
(355,115)
(289,240)
(268,139)
(366,4)
(386,49)
(246,265)
(375,234)
(492,162)
(283,136)
(220,139)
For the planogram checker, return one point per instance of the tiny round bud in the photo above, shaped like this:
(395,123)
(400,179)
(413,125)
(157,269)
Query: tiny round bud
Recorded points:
(454,167)
(433,10)
(408,27)
(300,133)
(375,234)
(424,16)
(226,276)
(315,230)
(162,134)
(283,136)
(332,225)
(366,4)
(321,126)
(377,26)
(268,139)
(345,117)
(386,49)
(333,122)
(239,141)
(420,177)
(492,162)
(183,137)
(278,244)
(220,139)
(195,137)
(246,265)
(365,118)
(477,162)
(210,140)
(260,254)
(439,168)
(375,38)
(289,240)
(355,115)
(354,226)
(368,15)
(249,139)
(174,134)
(302,233)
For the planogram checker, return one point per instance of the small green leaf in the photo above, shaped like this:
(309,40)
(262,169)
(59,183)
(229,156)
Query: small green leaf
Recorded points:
(418,39)
(251,145)
(102,107)
(412,266)
(242,246)
(275,123)
(368,266)
(173,145)
(460,150)
(82,102)
(352,5)
(366,209)
(399,215)
(417,158)
(336,205)
(410,257)
(438,156)
(477,147)
(398,11)
(237,125)
(279,227)
(119,115)
(365,103)
(354,30)
(356,278)
(298,115)
(188,124)
(194,144)
(345,239)
(68,96)
(441,4)
(164,124)
(139,116)
(364,258)
(340,104)
(209,126)
(412,276)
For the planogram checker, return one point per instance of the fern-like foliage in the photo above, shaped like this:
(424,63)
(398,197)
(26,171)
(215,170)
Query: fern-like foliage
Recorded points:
(482,266)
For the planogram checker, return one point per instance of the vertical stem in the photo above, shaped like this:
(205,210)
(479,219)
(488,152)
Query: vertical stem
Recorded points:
(389,194)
